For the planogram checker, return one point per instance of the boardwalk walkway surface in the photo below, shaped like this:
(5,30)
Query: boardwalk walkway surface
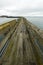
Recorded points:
(24,46)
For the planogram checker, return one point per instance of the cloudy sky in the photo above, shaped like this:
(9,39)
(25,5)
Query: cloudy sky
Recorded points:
(21,7)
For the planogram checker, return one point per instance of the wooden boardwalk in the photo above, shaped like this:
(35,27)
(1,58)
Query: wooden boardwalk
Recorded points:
(24,45)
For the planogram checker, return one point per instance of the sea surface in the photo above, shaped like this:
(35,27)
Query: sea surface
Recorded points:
(38,21)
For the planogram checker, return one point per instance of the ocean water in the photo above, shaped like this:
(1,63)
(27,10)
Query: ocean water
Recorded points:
(4,20)
(38,21)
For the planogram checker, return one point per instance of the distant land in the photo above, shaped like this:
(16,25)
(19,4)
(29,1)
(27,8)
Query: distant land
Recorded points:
(6,16)
(10,16)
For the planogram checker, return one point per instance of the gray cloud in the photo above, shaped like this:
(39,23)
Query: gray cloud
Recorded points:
(21,7)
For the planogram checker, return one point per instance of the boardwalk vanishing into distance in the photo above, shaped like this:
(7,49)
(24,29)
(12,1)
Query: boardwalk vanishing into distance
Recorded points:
(21,43)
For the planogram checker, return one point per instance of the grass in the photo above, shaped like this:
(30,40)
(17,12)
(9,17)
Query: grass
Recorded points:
(10,23)
(3,26)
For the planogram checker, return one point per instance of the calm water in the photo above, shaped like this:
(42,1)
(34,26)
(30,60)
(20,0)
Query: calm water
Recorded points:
(38,21)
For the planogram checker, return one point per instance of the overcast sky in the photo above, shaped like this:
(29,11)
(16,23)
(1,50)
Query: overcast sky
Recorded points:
(21,7)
